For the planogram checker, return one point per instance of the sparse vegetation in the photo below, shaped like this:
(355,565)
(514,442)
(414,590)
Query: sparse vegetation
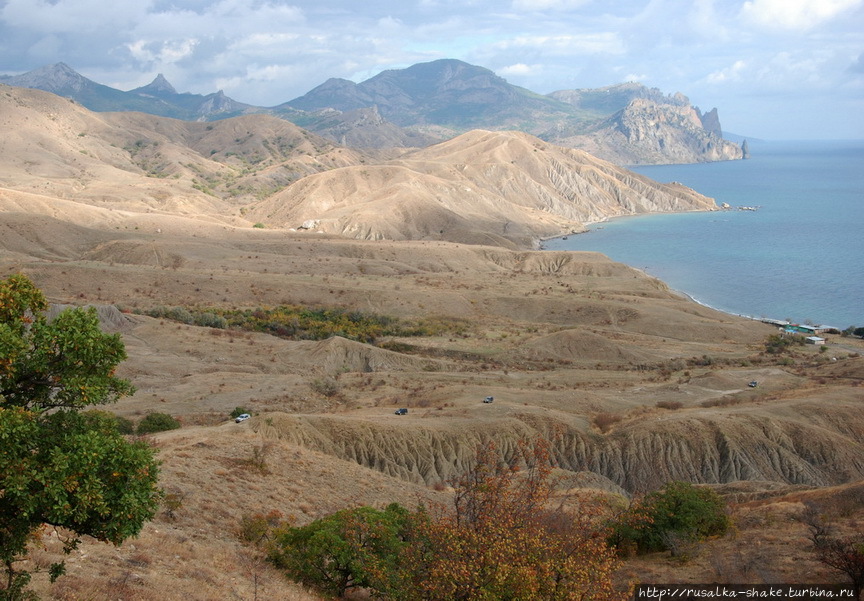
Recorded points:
(778,344)
(327,387)
(605,420)
(303,323)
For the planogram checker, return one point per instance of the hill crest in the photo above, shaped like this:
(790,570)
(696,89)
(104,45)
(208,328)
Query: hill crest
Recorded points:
(430,102)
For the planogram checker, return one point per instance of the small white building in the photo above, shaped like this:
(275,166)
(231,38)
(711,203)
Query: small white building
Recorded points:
(815,340)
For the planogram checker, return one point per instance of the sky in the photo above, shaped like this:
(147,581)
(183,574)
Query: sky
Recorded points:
(774,69)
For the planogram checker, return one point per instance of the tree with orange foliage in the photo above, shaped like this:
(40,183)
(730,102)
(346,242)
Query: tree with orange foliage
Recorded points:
(502,540)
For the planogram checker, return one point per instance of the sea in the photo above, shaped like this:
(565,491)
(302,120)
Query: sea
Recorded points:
(799,256)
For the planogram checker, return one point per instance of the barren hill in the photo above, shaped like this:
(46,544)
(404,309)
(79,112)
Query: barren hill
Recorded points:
(142,163)
(481,187)
(507,185)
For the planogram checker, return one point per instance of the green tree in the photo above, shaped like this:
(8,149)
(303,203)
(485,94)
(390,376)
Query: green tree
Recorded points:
(60,466)
(678,511)
(351,548)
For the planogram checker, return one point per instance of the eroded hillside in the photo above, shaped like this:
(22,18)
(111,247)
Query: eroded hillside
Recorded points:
(504,189)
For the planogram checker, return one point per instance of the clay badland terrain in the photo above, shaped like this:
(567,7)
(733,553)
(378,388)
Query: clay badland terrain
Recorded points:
(633,383)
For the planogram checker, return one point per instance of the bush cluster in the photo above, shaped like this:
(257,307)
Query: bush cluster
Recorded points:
(157,422)
(207,319)
(303,323)
(500,540)
(663,519)
(777,344)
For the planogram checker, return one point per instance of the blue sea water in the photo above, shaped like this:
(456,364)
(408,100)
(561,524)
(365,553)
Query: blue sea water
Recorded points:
(800,256)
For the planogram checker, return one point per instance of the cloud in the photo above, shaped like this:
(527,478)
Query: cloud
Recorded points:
(73,16)
(574,44)
(781,73)
(519,69)
(166,52)
(544,5)
(798,15)
(732,73)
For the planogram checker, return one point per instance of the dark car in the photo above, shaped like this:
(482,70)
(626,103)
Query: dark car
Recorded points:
(402,411)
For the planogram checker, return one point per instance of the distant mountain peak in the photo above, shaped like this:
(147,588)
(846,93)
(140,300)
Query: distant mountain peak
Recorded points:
(159,86)
(58,78)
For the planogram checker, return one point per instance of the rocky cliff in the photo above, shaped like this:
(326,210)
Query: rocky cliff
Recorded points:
(647,131)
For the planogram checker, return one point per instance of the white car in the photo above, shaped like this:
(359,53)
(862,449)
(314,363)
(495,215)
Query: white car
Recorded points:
(242,417)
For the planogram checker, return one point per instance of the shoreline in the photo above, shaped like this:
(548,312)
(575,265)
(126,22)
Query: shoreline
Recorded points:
(766,320)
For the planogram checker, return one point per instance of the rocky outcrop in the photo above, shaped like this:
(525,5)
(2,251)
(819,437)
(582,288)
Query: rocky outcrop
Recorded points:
(651,132)
(710,122)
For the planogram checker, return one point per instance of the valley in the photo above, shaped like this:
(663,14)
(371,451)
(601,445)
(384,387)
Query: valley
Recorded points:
(632,383)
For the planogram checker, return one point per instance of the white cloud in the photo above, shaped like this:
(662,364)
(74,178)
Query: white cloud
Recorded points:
(73,16)
(519,69)
(731,73)
(543,5)
(166,52)
(635,77)
(795,14)
(577,44)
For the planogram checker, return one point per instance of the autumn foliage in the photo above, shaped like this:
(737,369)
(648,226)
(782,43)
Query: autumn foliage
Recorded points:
(502,538)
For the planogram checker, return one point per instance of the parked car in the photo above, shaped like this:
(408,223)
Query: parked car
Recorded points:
(753,384)
(402,411)
(242,417)
(488,399)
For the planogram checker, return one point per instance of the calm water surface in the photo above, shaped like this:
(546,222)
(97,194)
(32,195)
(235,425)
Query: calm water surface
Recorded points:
(799,257)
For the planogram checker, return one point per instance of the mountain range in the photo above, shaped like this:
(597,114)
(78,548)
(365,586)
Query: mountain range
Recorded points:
(504,187)
(431,102)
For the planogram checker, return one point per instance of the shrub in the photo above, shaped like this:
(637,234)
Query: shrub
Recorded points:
(180,314)
(157,422)
(344,550)
(124,425)
(108,420)
(677,512)
(259,527)
(211,320)
(777,344)
(327,387)
(670,404)
(606,420)
(238,411)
